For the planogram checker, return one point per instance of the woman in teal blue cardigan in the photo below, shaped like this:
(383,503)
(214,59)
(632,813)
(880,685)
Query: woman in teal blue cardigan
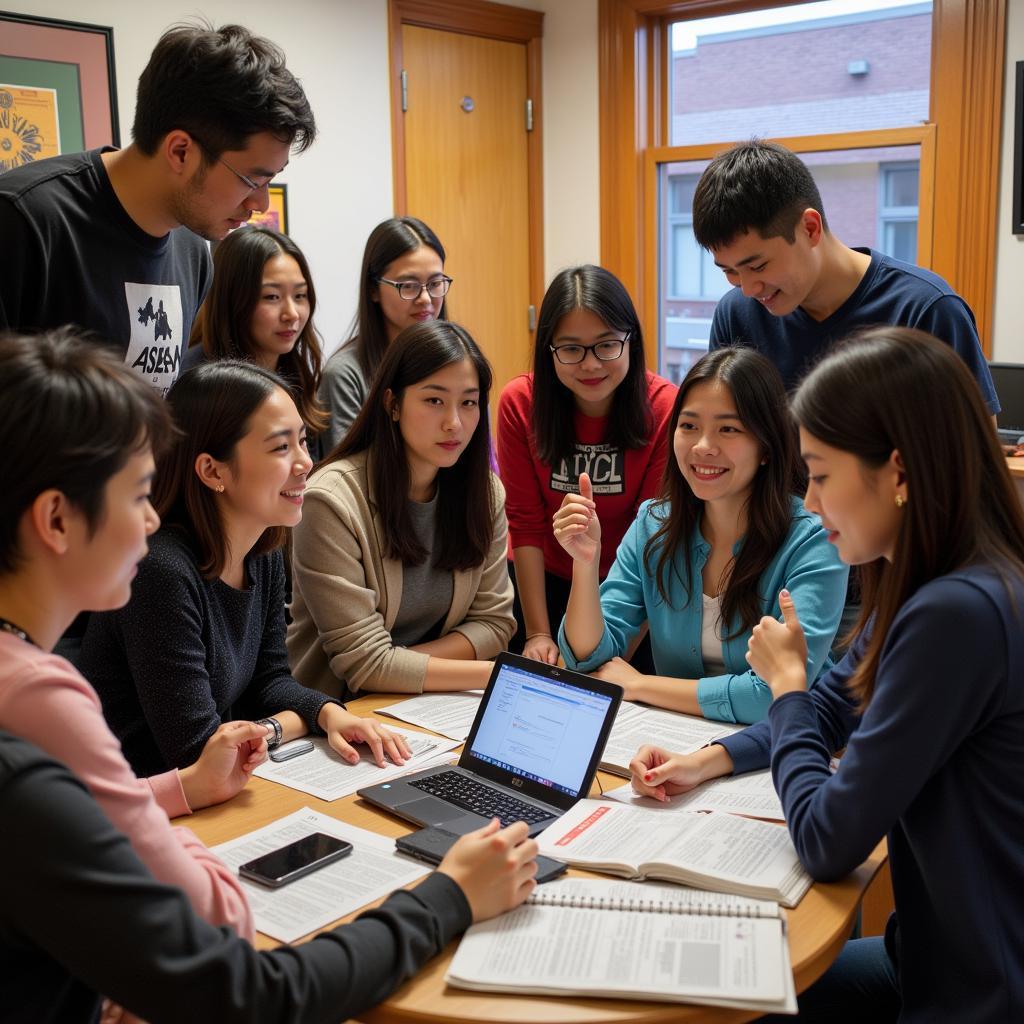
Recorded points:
(703,562)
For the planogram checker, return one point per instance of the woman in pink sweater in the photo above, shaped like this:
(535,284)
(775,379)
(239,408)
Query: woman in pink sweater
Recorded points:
(73,527)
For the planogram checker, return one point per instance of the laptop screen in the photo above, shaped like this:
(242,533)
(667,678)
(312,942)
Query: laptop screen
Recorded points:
(541,729)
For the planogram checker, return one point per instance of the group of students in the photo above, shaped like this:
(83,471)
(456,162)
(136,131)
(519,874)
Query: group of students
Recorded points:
(666,539)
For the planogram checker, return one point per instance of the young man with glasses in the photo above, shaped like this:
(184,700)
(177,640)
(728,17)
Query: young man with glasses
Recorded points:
(112,240)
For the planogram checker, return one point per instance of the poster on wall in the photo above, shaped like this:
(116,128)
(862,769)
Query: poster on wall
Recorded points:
(276,215)
(57,88)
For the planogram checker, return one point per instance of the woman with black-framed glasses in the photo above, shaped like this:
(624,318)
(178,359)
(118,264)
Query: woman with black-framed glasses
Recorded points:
(589,406)
(402,282)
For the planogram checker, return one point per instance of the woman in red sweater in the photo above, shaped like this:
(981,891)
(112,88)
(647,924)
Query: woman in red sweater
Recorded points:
(589,406)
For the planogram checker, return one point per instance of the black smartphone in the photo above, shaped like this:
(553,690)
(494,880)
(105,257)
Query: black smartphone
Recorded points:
(284,865)
(431,844)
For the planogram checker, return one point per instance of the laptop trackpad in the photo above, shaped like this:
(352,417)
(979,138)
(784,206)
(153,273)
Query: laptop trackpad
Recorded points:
(432,811)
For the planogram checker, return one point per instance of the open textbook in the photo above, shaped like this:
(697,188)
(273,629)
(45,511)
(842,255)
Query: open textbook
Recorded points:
(626,940)
(752,794)
(716,851)
(636,725)
(325,774)
(372,870)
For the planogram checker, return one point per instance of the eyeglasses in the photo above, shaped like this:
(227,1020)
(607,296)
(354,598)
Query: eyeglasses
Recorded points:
(253,186)
(436,287)
(606,351)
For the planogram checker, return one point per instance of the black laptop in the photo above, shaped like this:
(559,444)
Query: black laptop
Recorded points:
(534,748)
(1008,379)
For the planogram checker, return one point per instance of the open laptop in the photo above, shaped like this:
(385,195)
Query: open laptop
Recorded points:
(1008,379)
(531,754)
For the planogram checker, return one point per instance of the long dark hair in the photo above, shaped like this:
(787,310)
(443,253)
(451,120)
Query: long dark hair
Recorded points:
(388,240)
(466,502)
(897,389)
(212,405)
(631,421)
(760,399)
(224,323)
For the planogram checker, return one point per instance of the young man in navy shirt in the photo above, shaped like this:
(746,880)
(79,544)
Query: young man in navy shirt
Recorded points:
(798,288)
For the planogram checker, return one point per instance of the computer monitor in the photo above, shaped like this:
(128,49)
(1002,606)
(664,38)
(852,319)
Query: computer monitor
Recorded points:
(1008,379)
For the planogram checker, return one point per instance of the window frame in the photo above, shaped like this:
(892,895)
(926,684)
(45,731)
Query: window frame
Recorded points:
(959,163)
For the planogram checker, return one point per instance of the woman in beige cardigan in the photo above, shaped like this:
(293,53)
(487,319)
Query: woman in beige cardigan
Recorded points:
(400,580)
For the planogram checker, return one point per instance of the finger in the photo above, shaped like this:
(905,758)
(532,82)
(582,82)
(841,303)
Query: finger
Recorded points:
(518,832)
(343,747)
(240,730)
(375,743)
(586,488)
(551,656)
(394,751)
(789,615)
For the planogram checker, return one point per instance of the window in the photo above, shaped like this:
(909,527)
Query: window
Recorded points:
(898,210)
(804,73)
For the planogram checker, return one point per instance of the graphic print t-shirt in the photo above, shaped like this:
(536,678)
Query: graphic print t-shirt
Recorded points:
(82,260)
(534,490)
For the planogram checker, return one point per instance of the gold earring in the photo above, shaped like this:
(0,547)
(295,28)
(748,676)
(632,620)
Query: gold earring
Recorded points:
(220,488)
(900,501)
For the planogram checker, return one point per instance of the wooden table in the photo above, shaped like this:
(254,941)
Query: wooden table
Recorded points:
(818,927)
(1016,464)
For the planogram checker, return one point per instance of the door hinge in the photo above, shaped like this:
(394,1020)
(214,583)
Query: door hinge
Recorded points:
(405,90)
(529,116)
(531,317)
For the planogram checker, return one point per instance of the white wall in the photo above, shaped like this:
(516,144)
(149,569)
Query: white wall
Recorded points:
(1008,327)
(342,187)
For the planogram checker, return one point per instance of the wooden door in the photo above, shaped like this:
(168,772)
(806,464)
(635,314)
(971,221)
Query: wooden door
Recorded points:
(466,175)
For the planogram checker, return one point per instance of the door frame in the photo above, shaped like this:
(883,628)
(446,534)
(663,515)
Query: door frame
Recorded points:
(491,21)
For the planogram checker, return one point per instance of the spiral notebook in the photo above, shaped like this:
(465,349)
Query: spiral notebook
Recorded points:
(631,940)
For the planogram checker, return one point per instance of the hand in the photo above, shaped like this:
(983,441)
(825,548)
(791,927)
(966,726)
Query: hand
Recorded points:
(576,525)
(621,672)
(777,651)
(541,648)
(659,774)
(112,1013)
(225,765)
(493,868)
(343,729)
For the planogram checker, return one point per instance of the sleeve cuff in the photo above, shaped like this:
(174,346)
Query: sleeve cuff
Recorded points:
(750,749)
(169,794)
(443,896)
(604,651)
(714,698)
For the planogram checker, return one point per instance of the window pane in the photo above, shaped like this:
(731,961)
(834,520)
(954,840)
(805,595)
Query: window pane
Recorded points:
(808,69)
(900,240)
(855,185)
(901,186)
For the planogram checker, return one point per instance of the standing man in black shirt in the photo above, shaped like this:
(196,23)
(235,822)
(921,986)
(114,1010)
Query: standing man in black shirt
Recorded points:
(112,240)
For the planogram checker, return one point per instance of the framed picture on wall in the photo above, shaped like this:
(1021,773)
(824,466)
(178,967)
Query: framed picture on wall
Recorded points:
(58,92)
(276,216)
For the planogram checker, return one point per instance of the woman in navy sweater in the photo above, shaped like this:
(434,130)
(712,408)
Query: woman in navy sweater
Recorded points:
(909,479)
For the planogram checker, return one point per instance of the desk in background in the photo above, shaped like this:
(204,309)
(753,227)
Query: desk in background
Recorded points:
(818,927)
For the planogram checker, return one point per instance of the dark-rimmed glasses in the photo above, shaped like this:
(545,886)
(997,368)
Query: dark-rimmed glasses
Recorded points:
(606,351)
(436,287)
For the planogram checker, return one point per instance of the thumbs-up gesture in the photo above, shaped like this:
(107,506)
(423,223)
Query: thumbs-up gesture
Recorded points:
(777,651)
(577,527)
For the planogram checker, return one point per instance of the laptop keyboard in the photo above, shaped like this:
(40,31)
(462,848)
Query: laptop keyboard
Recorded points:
(491,803)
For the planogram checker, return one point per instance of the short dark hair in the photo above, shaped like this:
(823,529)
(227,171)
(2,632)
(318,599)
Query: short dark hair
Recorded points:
(212,404)
(388,240)
(224,323)
(71,415)
(897,389)
(760,399)
(466,499)
(630,423)
(754,186)
(221,86)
